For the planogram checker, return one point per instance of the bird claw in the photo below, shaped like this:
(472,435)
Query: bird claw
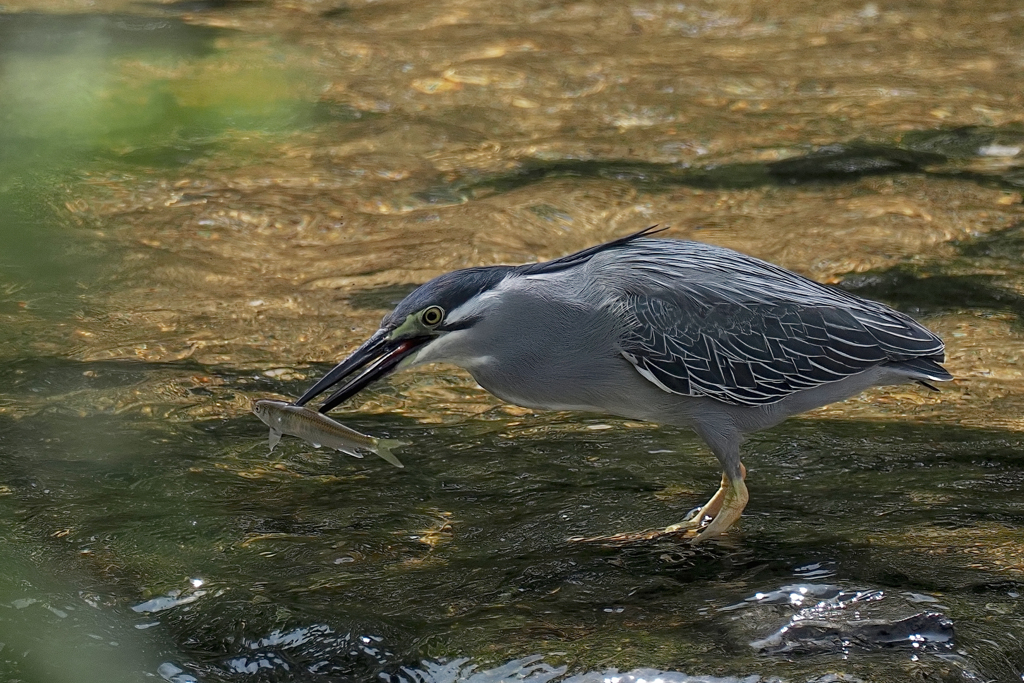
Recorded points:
(692,514)
(693,521)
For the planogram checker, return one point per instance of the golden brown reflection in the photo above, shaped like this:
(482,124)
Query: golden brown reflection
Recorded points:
(262,286)
(256,255)
(991,547)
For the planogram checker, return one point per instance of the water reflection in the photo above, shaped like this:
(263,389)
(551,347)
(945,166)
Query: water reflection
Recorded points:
(530,669)
(304,556)
(35,33)
(832,619)
(174,598)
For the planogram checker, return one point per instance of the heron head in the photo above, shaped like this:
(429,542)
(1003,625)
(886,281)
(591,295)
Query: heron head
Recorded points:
(446,305)
(430,323)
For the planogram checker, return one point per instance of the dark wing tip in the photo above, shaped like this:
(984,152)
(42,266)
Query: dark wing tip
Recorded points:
(923,369)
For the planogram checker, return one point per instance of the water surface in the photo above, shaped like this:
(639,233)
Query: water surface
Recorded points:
(203,203)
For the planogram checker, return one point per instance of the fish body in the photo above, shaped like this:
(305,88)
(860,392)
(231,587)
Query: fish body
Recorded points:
(320,430)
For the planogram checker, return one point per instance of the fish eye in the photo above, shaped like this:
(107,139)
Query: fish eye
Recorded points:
(432,315)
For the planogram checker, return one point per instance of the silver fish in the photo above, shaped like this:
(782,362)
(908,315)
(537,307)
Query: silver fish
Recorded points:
(320,430)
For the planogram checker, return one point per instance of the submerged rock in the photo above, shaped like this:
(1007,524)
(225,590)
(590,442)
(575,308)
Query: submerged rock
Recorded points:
(817,635)
(828,618)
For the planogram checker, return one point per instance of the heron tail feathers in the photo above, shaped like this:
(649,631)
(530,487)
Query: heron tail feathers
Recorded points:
(921,370)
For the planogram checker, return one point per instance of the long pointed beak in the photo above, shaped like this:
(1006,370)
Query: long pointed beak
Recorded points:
(376,358)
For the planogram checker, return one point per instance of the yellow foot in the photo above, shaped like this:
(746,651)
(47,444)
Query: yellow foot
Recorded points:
(725,507)
(733,502)
(710,509)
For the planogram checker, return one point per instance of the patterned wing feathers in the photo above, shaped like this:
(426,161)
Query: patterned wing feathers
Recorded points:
(758,353)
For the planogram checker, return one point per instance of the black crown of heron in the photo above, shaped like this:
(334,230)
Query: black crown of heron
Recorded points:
(670,331)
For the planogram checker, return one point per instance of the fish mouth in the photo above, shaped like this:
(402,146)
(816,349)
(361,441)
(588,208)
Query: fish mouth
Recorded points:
(375,359)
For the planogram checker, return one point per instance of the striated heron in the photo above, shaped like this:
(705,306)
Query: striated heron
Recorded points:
(670,331)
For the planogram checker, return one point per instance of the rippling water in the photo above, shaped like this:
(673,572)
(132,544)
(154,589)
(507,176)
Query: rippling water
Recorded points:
(204,202)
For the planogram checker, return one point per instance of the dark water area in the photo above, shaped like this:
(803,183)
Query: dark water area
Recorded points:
(203,203)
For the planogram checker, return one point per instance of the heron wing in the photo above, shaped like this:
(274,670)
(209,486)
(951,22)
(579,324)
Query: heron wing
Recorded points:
(748,333)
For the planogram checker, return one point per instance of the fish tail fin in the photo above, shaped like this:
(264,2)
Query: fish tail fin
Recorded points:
(383,449)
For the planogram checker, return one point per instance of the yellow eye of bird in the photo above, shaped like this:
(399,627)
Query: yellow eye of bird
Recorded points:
(433,315)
